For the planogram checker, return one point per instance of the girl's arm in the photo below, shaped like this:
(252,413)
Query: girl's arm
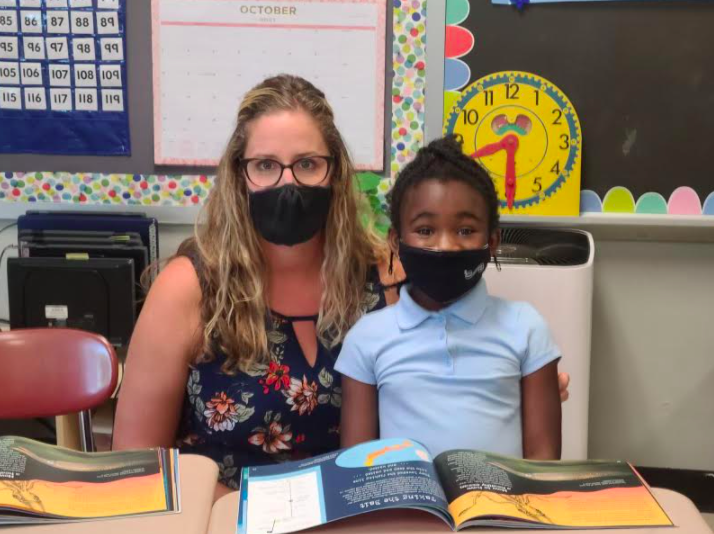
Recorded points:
(541,414)
(359,412)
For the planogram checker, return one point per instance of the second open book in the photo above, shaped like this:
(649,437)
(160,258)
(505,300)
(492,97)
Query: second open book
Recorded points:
(41,483)
(465,488)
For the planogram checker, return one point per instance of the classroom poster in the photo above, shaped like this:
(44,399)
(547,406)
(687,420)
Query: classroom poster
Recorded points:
(208,54)
(63,77)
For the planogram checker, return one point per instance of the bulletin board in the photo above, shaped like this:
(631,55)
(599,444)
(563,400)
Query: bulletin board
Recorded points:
(639,75)
(138,182)
(62,77)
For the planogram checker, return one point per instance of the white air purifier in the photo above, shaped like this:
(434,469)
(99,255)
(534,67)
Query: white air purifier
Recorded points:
(553,270)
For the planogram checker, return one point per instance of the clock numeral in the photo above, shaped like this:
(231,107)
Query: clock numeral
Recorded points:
(565,145)
(488,97)
(537,96)
(537,185)
(512,91)
(470,116)
(459,138)
(555,169)
(559,116)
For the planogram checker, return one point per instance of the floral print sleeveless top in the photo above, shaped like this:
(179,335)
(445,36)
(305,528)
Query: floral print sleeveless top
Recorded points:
(275,412)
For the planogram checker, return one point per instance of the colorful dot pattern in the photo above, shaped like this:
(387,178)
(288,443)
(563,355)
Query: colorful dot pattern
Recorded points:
(409,31)
(94,188)
(409,66)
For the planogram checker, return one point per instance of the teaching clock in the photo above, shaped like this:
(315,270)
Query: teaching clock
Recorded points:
(525,132)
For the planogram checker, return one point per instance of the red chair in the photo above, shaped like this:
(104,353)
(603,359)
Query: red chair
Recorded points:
(47,372)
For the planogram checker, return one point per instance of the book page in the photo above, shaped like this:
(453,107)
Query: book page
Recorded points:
(37,478)
(392,473)
(285,503)
(587,494)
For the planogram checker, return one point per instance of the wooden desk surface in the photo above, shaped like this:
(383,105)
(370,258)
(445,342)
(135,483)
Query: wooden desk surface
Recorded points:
(198,477)
(681,511)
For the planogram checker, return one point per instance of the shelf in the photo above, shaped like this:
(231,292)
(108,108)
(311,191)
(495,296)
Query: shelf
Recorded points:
(629,227)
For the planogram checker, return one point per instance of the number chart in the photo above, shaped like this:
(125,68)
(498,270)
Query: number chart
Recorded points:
(63,77)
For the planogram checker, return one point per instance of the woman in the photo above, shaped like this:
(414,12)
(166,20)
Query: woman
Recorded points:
(233,353)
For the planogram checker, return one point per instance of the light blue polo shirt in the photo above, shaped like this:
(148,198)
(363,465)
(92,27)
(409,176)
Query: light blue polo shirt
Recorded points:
(450,379)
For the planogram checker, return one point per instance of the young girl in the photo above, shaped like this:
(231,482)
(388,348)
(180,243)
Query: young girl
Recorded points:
(449,365)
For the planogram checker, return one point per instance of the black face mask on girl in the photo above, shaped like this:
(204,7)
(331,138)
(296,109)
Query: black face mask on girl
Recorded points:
(290,214)
(443,276)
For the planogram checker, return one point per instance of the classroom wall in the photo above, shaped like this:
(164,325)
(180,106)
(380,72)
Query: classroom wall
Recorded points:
(652,389)
(652,371)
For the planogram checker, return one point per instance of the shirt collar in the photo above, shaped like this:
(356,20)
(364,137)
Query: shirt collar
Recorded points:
(471,306)
(468,308)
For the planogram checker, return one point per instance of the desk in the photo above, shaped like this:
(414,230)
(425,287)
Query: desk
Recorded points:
(681,511)
(198,481)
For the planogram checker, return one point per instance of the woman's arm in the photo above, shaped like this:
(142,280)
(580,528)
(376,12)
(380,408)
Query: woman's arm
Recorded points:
(359,412)
(164,342)
(563,383)
(391,278)
(541,413)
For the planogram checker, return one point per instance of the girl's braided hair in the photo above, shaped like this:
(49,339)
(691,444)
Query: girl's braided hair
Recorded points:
(443,159)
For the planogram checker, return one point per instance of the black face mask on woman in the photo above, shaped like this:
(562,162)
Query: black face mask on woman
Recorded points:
(442,275)
(290,214)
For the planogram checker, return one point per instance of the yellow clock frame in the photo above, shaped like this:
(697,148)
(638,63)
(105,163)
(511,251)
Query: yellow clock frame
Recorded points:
(526,133)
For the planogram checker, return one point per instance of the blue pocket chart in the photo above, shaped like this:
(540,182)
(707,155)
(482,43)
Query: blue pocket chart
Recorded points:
(63,77)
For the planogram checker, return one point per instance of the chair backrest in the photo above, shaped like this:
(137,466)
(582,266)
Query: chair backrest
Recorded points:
(53,371)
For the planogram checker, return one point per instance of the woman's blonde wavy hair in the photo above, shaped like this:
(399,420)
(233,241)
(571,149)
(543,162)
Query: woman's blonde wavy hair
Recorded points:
(231,264)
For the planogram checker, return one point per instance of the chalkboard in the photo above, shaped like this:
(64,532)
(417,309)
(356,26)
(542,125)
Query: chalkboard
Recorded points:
(640,75)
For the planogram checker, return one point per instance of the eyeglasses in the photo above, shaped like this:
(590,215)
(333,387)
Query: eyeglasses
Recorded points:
(308,171)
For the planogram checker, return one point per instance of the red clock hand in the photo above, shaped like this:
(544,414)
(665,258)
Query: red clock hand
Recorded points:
(489,150)
(510,145)
(511,142)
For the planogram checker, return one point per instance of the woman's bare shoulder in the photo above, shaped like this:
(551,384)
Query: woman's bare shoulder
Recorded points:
(177,284)
(180,275)
(173,307)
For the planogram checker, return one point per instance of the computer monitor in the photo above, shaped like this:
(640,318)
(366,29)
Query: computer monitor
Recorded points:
(79,250)
(146,227)
(96,295)
(86,244)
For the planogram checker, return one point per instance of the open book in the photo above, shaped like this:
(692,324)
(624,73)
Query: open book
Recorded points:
(465,488)
(41,483)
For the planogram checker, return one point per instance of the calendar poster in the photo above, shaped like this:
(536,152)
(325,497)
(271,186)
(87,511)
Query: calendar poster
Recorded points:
(209,53)
(63,86)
